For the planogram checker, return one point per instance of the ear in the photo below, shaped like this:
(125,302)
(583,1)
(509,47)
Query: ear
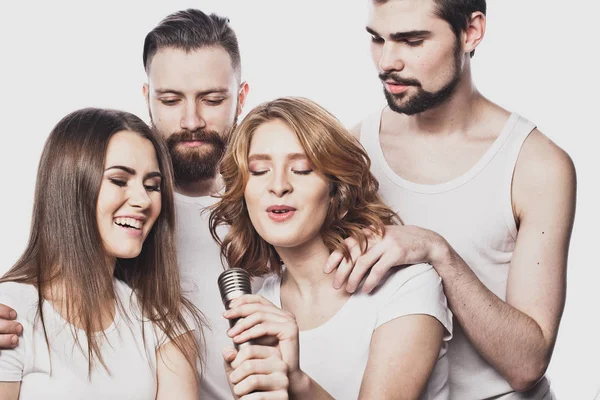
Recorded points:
(475,31)
(146,94)
(243,93)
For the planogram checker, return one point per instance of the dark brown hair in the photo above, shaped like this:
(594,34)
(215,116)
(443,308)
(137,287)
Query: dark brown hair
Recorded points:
(189,30)
(65,247)
(332,151)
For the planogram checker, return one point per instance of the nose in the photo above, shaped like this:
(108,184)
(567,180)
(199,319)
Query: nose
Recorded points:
(138,197)
(279,184)
(391,59)
(192,118)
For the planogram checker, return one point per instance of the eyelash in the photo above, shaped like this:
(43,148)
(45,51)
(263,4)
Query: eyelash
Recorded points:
(214,102)
(121,183)
(169,102)
(259,173)
(413,43)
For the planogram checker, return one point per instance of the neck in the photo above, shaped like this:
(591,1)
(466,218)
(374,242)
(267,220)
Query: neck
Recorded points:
(457,114)
(205,187)
(304,268)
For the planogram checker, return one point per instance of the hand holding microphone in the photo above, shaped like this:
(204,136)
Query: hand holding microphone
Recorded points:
(250,367)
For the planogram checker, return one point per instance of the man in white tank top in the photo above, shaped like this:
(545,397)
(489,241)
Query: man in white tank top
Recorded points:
(487,199)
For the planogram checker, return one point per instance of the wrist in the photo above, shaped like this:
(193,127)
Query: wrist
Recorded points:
(299,384)
(440,251)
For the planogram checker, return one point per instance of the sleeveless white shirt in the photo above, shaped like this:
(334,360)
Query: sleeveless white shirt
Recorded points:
(473,212)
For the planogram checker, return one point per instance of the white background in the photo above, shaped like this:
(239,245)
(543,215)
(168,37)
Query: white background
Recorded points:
(536,59)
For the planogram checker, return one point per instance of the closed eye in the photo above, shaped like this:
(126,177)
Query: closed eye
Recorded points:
(259,173)
(118,182)
(304,172)
(152,188)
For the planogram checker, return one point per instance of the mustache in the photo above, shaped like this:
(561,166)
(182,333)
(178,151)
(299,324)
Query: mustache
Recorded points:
(198,135)
(384,76)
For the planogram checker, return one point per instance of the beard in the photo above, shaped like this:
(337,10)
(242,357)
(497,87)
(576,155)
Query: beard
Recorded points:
(423,100)
(194,164)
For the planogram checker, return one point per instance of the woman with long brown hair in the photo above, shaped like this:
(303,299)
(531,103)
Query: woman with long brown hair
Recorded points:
(296,185)
(97,288)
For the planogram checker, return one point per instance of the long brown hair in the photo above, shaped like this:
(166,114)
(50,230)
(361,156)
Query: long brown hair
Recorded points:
(65,246)
(331,150)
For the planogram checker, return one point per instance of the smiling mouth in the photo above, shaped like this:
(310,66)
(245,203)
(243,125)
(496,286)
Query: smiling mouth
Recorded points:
(129,223)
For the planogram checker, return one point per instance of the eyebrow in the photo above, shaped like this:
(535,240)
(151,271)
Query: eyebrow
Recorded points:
(403,35)
(222,90)
(266,157)
(131,171)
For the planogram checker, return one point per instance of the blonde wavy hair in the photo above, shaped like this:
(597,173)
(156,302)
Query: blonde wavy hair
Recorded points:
(332,151)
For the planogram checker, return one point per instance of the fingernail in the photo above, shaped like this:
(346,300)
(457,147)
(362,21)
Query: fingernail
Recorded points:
(226,313)
(336,285)
(15,340)
(20,329)
(13,315)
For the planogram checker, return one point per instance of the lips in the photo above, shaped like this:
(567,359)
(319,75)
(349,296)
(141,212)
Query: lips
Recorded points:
(280,213)
(395,88)
(131,224)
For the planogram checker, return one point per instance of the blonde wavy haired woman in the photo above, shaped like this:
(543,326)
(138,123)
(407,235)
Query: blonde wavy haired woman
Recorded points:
(296,185)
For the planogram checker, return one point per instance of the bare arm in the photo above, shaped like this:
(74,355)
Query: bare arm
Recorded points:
(9,329)
(517,336)
(176,377)
(9,390)
(402,356)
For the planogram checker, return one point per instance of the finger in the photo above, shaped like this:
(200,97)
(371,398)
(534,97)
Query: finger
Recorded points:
(253,383)
(249,299)
(337,257)
(377,272)
(7,313)
(10,327)
(272,395)
(8,341)
(264,366)
(282,331)
(346,266)
(244,310)
(362,266)
(254,319)
(229,354)
(254,352)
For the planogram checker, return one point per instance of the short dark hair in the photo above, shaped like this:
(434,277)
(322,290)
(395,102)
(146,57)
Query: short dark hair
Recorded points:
(189,30)
(458,12)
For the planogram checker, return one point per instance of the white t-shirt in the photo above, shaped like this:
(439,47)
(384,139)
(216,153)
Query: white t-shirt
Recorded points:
(200,266)
(63,373)
(335,353)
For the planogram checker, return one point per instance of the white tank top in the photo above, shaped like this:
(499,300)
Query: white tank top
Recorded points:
(473,212)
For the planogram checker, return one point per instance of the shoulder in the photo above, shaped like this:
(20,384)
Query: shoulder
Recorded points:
(416,289)
(543,169)
(19,296)
(423,274)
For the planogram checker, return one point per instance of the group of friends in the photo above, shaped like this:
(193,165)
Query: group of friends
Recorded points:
(419,255)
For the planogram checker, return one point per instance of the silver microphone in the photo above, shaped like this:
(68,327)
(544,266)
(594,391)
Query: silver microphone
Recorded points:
(234,283)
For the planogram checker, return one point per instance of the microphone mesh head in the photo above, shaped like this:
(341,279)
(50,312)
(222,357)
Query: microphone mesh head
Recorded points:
(233,283)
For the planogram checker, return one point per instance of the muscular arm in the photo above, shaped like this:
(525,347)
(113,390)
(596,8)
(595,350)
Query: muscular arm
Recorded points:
(176,377)
(517,336)
(402,356)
